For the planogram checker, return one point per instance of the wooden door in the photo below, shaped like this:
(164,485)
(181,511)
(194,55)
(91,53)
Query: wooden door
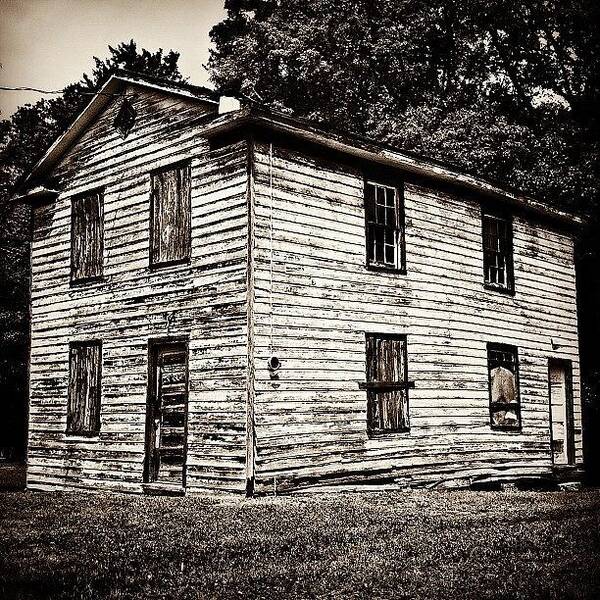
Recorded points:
(166,427)
(561,419)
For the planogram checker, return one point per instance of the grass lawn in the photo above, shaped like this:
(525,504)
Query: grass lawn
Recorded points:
(414,544)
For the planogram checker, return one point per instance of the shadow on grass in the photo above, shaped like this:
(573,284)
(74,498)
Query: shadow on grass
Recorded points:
(12,476)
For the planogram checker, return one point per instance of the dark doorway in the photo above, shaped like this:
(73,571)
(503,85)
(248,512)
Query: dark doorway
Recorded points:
(166,418)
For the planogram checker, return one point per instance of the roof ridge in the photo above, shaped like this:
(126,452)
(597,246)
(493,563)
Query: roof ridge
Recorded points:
(130,74)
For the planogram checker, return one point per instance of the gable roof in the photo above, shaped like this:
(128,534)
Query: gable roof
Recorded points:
(300,129)
(113,87)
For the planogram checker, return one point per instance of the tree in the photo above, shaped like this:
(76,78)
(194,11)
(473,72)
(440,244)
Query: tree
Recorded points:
(427,76)
(23,140)
(505,89)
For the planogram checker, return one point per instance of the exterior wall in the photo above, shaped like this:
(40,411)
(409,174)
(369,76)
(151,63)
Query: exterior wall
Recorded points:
(204,300)
(315,299)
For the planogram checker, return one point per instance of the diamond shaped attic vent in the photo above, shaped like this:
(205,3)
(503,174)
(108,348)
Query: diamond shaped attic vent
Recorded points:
(125,118)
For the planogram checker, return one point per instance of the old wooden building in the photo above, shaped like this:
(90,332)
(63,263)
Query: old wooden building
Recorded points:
(226,299)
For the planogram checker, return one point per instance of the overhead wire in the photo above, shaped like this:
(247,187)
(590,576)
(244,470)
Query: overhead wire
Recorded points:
(24,88)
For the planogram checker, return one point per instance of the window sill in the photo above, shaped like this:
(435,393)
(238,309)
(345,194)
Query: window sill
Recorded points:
(171,263)
(87,281)
(385,269)
(507,429)
(500,289)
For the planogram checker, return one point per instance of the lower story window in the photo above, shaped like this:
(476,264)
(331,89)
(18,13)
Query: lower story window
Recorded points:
(503,369)
(83,416)
(387,383)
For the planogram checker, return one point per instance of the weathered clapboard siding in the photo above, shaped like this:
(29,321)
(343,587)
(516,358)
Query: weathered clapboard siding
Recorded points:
(204,301)
(315,300)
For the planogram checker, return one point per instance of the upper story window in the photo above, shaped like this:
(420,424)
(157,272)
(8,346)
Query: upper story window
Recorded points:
(387,384)
(498,251)
(83,411)
(503,368)
(384,211)
(87,237)
(170,220)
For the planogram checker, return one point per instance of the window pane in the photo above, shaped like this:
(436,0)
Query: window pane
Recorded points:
(504,385)
(390,217)
(377,233)
(390,254)
(390,197)
(380,205)
(500,277)
(381,214)
(505,418)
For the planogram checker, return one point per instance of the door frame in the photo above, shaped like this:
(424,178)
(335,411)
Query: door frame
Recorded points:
(567,365)
(153,345)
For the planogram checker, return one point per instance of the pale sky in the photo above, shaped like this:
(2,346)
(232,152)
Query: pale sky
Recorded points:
(48,44)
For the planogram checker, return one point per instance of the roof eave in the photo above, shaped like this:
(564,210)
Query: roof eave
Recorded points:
(385,156)
(64,141)
(37,193)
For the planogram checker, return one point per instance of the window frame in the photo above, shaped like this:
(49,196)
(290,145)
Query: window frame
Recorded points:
(182,165)
(400,226)
(99,193)
(494,406)
(374,387)
(95,431)
(509,286)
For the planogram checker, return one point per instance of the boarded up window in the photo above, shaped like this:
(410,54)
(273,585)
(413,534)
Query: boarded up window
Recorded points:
(170,236)
(505,410)
(87,236)
(387,383)
(384,211)
(83,417)
(497,251)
